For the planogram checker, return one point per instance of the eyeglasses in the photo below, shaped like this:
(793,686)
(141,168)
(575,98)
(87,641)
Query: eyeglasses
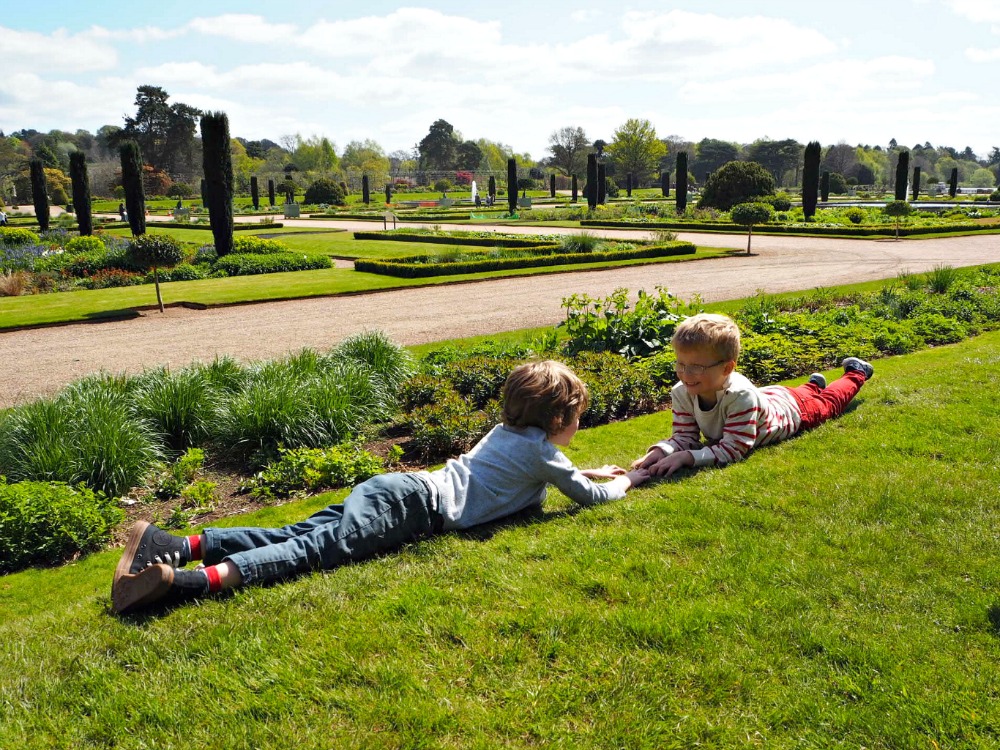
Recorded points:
(695,370)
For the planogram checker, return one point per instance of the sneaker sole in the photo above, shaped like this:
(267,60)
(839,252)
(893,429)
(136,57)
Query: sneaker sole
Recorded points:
(145,587)
(131,547)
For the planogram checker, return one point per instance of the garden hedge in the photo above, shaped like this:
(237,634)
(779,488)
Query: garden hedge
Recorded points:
(881,230)
(417,267)
(240,264)
(208,227)
(447,239)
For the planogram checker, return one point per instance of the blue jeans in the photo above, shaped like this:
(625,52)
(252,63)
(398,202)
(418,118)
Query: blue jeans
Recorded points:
(379,515)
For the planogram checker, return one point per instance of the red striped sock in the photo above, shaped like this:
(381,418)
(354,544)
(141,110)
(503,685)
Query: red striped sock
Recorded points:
(194,543)
(214,579)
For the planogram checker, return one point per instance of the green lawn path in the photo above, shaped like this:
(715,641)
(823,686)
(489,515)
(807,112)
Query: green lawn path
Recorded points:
(841,589)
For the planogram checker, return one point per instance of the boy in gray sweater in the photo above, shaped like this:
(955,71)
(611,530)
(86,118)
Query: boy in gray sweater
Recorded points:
(507,471)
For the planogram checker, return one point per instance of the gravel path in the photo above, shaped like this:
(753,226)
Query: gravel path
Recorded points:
(41,361)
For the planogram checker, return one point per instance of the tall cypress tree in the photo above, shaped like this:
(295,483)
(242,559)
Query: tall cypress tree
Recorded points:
(552,185)
(574,188)
(916,182)
(824,186)
(217,162)
(492,189)
(81,192)
(366,195)
(665,184)
(511,185)
(254,193)
(40,193)
(810,179)
(388,193)
(628,185)
(902,172)
(681,186)
(135,196)
(270,192)
(591,181)
(204,199)
(602,183)
(953,182)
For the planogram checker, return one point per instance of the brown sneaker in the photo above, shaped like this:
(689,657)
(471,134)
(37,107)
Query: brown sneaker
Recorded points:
(134,590)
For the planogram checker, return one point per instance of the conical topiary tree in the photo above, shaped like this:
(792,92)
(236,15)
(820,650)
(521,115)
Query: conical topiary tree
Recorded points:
(902,172)
(254,193)
(81,192)
(204,200)
(156,251)
(492,189)
(388,193)
(682,183)
(39,193)
(824,187)
(602,184)
(628,184)
(135,196)
(665,184)
(916,182)
(953,182)
(552,185)
(810,179)
(592,181)
(574,188)
(217,162)
(270,192)
(366,195)
(511,185)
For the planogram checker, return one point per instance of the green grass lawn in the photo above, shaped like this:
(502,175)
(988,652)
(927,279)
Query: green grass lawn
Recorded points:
(841,589)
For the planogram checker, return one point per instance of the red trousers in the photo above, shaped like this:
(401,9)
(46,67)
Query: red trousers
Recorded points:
(820,404)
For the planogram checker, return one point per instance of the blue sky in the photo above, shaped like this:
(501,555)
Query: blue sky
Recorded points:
(515,71)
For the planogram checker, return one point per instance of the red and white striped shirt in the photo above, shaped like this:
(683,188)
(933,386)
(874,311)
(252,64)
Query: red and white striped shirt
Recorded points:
(744,416)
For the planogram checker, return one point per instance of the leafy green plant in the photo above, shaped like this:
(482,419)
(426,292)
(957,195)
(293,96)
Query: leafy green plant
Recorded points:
(854,214)
(941,277)
(180,405)
(258,246)
(200,496)
(172,479)
(50,522)
(311,469)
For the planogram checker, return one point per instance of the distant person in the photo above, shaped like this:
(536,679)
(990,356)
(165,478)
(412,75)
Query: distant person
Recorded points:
(3,218)
(506,472)
(713,401)
(121,212)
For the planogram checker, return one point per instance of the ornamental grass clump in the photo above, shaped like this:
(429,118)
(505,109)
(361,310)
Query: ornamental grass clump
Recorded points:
(180,406)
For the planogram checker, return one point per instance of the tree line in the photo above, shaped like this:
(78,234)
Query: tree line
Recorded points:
(167,136)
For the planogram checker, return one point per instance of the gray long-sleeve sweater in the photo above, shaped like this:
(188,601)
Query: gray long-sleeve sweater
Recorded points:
(506,472)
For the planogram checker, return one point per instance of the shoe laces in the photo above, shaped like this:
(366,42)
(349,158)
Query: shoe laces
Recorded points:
(173,559)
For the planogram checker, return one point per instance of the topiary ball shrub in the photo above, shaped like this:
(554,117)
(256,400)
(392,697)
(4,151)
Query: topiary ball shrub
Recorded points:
(51,522)
(326,191)
(85,244)
(156,250)
(736,182)
(854,214)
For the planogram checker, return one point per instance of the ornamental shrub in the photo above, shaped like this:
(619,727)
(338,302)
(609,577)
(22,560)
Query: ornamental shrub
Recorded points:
(84,244)
(736,182)
(258,246)
(15,236)
(51,522)
(854,214)
(300,469)
(325,191)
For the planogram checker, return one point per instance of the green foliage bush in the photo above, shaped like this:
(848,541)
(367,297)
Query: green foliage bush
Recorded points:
(16,236)
(736,182)
(312,469)
(258,246)
(85,244)
(325,191)
(237,264)
(156,250)
(51,522)
(854,214)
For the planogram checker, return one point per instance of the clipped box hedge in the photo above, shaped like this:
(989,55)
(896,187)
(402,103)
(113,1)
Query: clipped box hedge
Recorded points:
(241,227)
(417,266)
(242,264)
(879,230)
(447,239)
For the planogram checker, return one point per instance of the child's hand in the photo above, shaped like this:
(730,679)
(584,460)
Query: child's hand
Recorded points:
(637,476)
(669,464)
(608,471)
(654,455)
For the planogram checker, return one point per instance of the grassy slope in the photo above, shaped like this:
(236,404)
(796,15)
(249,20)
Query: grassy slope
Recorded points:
(840,589)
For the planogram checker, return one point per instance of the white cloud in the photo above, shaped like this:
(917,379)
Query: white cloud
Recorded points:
(244,28)
(58,51)
(980,11)
(983,55)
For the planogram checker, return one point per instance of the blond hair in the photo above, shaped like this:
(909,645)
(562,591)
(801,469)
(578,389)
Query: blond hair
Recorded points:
(544,394)
(709,331)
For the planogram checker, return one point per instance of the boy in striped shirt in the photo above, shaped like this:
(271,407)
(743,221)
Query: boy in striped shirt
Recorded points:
(712,400)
